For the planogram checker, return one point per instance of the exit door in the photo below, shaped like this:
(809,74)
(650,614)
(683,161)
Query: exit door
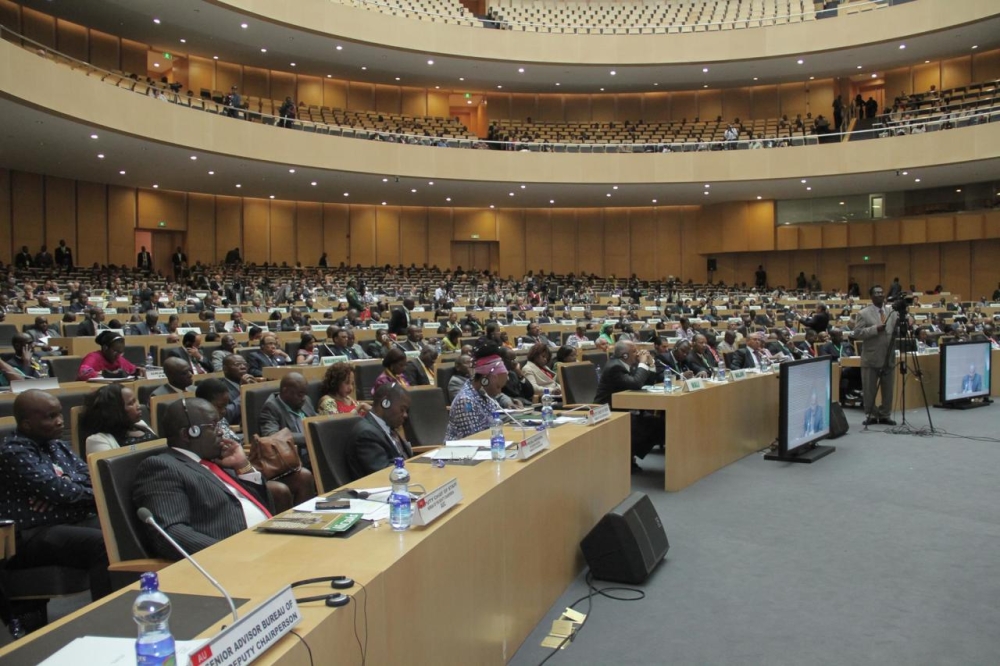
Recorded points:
(867,276)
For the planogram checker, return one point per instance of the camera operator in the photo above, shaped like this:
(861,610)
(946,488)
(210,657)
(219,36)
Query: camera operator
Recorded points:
(874,326)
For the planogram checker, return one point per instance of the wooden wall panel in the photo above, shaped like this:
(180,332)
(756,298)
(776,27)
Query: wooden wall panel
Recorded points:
(387,99)
(969,226)
(308,232)
(10,16)
(941,229)
(335,93)
(821,95)
(617,242)
(256,82)
(925,263)
(387,236)
(60,212)
(38,27)
(887,232)
(602,109)
(474,224)
(764,102)
(437,104)
(439,235)
(710,104)
(511,229)
(360,96)
(413,102)
(28,210)
(692,264)
(897,81)
(956,72)
(576,108)
(924,76)
(121,224)
(309,89)
(336,234)
(760,225)
(834,235)
(669,222)
(103,50)
(92,224)
(810,236)
(523,107)
(683,105)
(413,236)
(786,237)
(6,251)
(628,106)
(793,100)
(133,56)
(538,239)
(655,107)
(200,242)
(986,66)
(590,222)
(913,231)
(550,108)
(861,234)
(201,76)
(985,259)
(256,236)
(283,85)
(363,222)
(71,39)
(955,274)
(564,241)
(642,230)
(735,104)
(228,226)
(157,206)
(282,233)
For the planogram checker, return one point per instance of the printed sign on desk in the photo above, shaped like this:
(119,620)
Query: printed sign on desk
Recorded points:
(250,636)
(431,506)
(693,384)
(533,445)
(598,413)
(739,374)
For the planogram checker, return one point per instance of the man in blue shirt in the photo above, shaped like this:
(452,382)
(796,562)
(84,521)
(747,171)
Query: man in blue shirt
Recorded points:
(45,488)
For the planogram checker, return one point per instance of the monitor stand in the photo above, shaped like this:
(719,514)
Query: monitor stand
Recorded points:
(810,455)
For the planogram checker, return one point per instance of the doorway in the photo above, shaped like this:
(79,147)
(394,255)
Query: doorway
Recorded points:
(161,244)
(476,255)
(867,275)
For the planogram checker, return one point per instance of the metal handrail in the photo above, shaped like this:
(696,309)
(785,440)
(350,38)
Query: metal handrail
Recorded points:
(506,23)
(925,124)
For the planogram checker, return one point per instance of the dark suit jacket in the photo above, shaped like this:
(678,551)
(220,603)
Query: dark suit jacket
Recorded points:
(165,389)
(143,260)
(415,373)
(397,322)
(274,416)
(182,354)
(258,360)
(742,358)
(234,410)
(617,376)
(86,328)
(370,449)
(698,364)
(189,503)
(407,345)
(142,328)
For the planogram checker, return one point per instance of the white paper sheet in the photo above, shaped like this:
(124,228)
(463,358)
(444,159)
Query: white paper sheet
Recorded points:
(371,509)
(452,453)
(478,443)
(111,652)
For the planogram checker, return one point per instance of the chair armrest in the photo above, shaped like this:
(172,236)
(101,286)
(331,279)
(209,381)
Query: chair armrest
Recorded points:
(140,566)
(8,533)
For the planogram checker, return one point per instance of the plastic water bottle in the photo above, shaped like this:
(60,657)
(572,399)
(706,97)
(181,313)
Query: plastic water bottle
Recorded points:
(598,374)
(43,369)
(721,372)
(151,611)
(668,382)
(399,498)
(498,445)
(547,416)
(149,362)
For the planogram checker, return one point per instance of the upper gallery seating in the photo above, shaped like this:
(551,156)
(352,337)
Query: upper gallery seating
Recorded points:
(942,109)
(434,11)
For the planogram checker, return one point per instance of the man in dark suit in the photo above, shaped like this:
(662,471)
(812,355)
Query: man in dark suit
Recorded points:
(699,360)
(144,260)
(64,256)
(294,321)
(235,375)
(399,320)
(179,260)
(972,382)
(414,339)
(92,323)
(23,258)
(268,356)
(179,378)
(628,370)
(286,409)
(675,361)
(202,489)
(750,357)
(338,344)
(375,442)
(149,327)
(420,371)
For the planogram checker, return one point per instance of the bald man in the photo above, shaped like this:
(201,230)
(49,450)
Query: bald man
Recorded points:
(45,488)
(179,377)
(286,409)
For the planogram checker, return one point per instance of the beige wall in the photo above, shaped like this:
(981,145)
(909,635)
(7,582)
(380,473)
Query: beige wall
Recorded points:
(99,223)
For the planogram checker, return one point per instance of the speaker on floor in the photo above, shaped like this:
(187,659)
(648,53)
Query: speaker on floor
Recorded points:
(712,265)
(838,421)
(627,543)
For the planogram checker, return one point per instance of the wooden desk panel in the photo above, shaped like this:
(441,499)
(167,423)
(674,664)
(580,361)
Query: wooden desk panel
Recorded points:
(708,429)
(466,590)
(930,368)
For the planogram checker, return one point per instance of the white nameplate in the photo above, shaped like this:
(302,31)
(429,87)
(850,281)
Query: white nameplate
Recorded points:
(499,309)
(431,324)
(651,308)
(121,299)
(739,374)
(458,308)
(219,311)
(589,344)
(537,308)
(155,372)
(417,309)
(435,503)
(42,384)
(330,360)
(282,310)
(754,308)
(598,413)
(568,322)
(693,384)
(163,299)
(39,311)
(654,320)
(577,308)
(532,445)
(168,311)
(380,327)
(184,330)
(412,354)
(110,311)
(249,637)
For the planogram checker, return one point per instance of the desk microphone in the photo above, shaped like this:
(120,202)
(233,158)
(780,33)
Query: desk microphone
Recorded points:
(679,375)
(146,516)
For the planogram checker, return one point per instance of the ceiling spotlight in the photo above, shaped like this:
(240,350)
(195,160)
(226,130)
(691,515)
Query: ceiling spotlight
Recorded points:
(383,203)
(215,57)
(615,187)
(439,88)
(843,203)
(705,86)
(608,194)
(707,186)
(759,197)
(902,46)
(184,41)
(194,157)
(430,62)
(364,68)
(93,136)
(523,187)
(238,185)
(100,156)
(155,186)
(122,172)
(468,101)
(156,64)
(656,84)
(927,62)
(499,87)
(959,190)
(705,70)
(812,78)
(809,189)
(339,47)
(520,70)
(613,72)
(492,206)
(975,46)
(706,193)
(510,194)
(558,84)
(263,50)
(916,180)
(755,78)
(447,199)
(156,21)
(803,181)
(292,64)
(347,194)
(906,173)
(654,200)
(414,190)
(313,183)
(874,76)
(430,182)
(329,76)
(461,78)
(385,180)
(552,201)
(291,171)
(272,196)
(602,89)
(244,26)
(211,173)
(397,78)
(800,61)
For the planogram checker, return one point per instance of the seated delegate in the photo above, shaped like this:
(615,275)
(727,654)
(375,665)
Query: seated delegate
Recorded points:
(112,418)
(109,361)
(473,407)
(375,442)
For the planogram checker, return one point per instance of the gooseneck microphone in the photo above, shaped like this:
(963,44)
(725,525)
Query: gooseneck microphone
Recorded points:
(146,516)
(659,362)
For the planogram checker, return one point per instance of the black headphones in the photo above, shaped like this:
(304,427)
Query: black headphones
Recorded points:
(192,430)
(335,600)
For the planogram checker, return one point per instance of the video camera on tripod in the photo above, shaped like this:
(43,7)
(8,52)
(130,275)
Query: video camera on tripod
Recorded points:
(900,302)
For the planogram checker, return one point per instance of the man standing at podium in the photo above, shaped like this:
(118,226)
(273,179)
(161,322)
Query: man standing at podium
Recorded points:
(874,327)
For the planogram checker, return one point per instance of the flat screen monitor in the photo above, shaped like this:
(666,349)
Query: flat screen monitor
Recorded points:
(965,371)
(804,408)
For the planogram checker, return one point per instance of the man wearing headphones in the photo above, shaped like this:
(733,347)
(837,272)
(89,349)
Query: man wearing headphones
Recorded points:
(630,370)
(473,407)
(202,489)
(375,441)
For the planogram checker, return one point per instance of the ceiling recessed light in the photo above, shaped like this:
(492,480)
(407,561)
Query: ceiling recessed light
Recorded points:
(608,194)
(916,180)
(602,89)
(499,87)
(291,171)
(874,76)
(272,196)
(523,187)
(100,156)
(414,190)
(959,190)
(439,88)
(329,76)
(156,64)
(194,157)
(263,50)
(842,203)
(706,193)
(184,41)
(397,78)
(155,186)
(800,61)
(122,172)
(902,46)
(243,25)
(492,206)
(558,84)
(707,186)
(383,203)
(447,198)
(510,194)
(238,185)
(975,46)
(347,194)
(156,21)
(430,182)
(759,197)
(520,70)
(613,72)
(211,173)
(461,78)
(859,66)
(552,201)
(705,70)
(615,187)
(812,78)
(654,200)
(215,57)
(339,47)
(803,181)
(430,62)
(468,101)
(755,78)
(93,136)
(292,64)
(705,86)
(906,173)
(364,68)
(809,189)
(385,180)
(655,84)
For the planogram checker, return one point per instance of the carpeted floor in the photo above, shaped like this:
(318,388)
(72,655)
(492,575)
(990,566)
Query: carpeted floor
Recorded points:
(885,552)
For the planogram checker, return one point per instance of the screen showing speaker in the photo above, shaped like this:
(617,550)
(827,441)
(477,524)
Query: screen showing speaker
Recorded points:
(804,409)
(965,370)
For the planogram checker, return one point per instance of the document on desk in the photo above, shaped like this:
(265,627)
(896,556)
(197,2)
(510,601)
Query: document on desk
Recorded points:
(371,510)
(478,443)
(111,652)
(453,453)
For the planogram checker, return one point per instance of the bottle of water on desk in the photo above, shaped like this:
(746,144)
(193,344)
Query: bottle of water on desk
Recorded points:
(720,374)
(151,611)
(149,362)
(399,498)
(547,415)
(498,445)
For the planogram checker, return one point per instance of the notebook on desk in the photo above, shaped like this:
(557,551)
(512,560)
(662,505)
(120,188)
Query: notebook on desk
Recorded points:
(312,524)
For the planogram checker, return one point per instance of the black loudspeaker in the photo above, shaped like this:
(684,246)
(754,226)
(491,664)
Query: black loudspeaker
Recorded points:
(838,421)
(712,266)
(627,543)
